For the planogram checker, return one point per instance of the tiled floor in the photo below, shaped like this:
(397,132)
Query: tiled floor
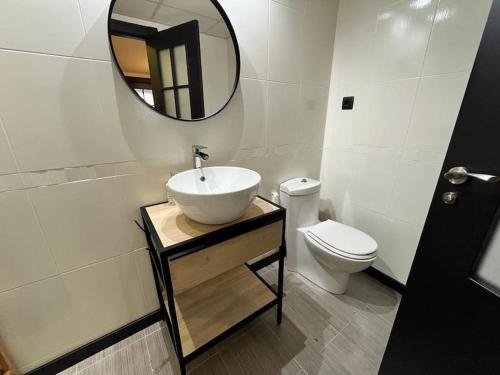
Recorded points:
(320,334)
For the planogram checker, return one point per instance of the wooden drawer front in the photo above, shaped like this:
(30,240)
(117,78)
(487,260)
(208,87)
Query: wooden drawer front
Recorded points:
(194,269)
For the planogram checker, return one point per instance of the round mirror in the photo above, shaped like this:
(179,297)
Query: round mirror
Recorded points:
(180,57)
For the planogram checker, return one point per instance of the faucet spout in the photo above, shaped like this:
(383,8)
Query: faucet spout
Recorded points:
(198,155)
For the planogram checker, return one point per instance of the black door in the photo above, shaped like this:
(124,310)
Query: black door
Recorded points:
(175,66)
(449,318)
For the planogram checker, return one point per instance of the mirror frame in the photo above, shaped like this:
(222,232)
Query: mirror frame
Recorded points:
(222,12)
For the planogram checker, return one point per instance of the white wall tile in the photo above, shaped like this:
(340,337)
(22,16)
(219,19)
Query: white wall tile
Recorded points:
(25,255)
(250,19)
(37,321)
(390,112)
(414,189)
(349,174)
(457,31)
(10,182)
(380,117)
(145,274)
(313,102)
(114,284)
(95,44)
(81,114)
(85,222)
(317,44)
(381,160)
(397,242)
(354,40)
(33,25)
(296,4)
(401,38)
(349,127)
(436,109)
(72,117)
(285,40)
(379,174)
(7,162)
(284,113)
(249,119)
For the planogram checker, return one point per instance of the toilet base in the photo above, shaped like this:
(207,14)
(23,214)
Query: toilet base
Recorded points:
(338,284)
(331,281)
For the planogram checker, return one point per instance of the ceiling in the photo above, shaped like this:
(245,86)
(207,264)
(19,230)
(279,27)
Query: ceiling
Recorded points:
(175,12)
(132,56)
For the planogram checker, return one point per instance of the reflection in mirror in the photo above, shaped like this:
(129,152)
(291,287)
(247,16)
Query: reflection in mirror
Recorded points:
(179,56)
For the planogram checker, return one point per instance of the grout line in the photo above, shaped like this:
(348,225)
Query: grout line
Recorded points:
(25,188)
(149,354)
(372,81)
(283,82)
(75,166)
(4,49)
(3,130)
(81,17)
(70,271)
(268,38)
(334,337)
(44,235)
(30,283)
(430,36)
(302,369)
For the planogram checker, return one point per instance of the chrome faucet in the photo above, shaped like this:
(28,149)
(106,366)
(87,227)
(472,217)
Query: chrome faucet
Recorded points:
(198,155)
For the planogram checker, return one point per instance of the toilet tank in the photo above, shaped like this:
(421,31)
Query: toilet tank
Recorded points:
(300,197)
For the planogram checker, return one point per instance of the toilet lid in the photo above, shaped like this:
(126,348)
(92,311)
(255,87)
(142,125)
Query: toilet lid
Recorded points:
(343,238)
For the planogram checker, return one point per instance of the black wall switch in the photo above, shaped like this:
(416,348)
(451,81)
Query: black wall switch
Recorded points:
(347,102)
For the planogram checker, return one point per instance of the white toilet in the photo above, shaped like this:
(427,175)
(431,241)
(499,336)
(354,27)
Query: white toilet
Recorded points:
(324,252)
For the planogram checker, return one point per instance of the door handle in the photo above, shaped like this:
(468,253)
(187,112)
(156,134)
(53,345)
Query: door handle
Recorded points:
(459,175)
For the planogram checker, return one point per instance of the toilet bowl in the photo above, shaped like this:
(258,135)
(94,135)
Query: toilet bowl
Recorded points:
(325,252)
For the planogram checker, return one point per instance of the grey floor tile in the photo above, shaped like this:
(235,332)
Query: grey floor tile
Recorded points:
(309,317)
(131,360)
(340,312)
(304,350)
(108,351)
(258,352)
(347,357)
(201,359)
(154,327)
(162,357)
(321,334)
(370,332)
(375,296)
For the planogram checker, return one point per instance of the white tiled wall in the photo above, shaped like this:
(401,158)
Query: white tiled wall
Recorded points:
(79,154)
(407,64)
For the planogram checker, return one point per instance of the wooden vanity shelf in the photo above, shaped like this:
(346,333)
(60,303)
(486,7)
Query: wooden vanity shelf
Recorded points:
(206,275)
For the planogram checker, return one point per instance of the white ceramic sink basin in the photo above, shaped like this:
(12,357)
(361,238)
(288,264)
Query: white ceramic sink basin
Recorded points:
(214,195)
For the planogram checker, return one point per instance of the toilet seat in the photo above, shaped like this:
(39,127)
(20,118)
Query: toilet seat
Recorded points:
(342,240)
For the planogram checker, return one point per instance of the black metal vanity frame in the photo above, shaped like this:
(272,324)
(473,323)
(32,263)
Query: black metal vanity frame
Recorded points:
(160,257)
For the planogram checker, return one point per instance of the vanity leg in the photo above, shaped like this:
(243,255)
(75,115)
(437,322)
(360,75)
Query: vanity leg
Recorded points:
(182,367)
(281,266)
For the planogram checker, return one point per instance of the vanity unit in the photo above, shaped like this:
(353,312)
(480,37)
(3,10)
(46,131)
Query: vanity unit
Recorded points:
(206,275)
